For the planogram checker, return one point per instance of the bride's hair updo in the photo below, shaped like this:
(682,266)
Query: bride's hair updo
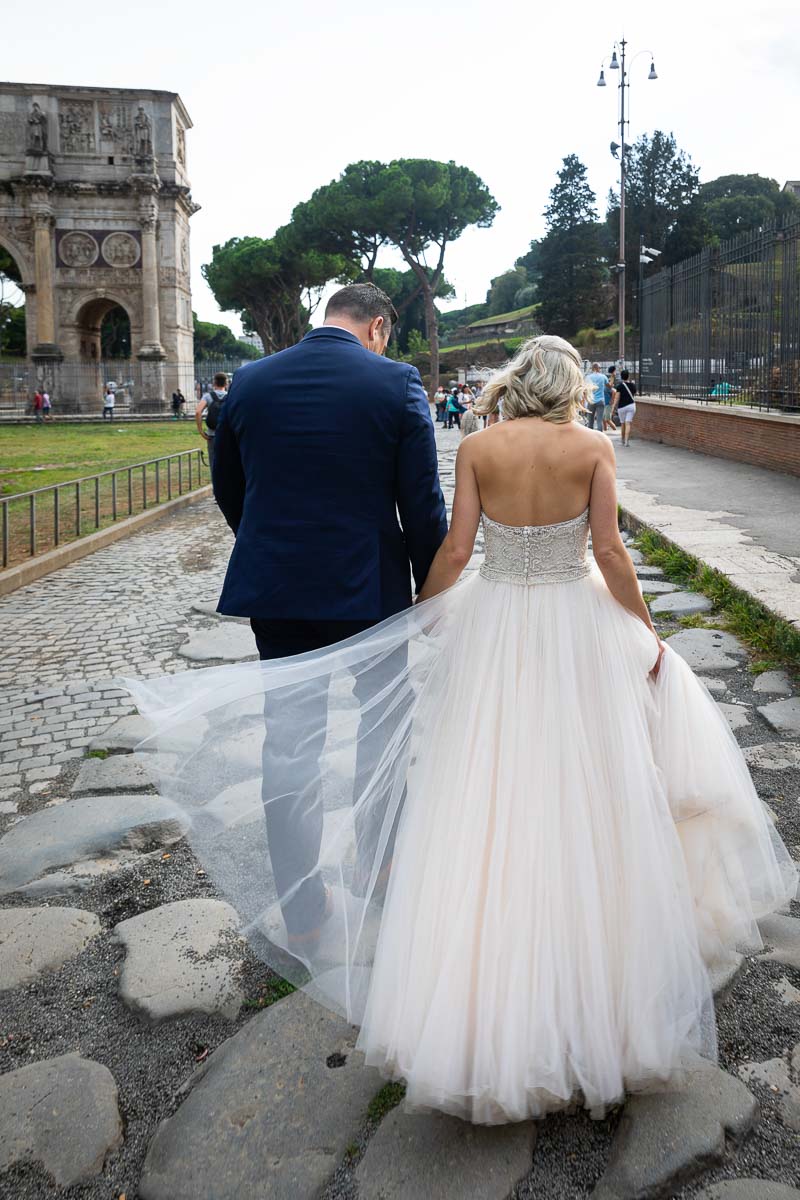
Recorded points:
(545,380)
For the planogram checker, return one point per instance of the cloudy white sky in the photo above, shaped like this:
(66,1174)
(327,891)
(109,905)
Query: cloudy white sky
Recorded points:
(284,95)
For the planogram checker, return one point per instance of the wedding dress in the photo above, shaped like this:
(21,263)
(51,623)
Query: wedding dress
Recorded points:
(529,851)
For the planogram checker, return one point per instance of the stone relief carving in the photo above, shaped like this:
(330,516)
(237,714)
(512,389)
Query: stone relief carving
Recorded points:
(184,256)
(181,145)
(121,250)
(76,127)
(37,130)
(78,249)
(116,129)
(143,134)
(13,132)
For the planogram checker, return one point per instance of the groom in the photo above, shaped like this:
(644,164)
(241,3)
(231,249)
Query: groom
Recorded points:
(325,469)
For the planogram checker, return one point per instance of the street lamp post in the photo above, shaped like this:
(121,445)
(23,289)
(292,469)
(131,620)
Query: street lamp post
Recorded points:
(618,64)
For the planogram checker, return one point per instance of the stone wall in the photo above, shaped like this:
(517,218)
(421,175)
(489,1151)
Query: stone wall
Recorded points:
(763,439)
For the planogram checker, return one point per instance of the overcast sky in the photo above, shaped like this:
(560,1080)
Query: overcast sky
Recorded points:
(284,95)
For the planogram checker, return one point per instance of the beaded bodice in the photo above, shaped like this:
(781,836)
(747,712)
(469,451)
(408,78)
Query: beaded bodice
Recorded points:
(531,554)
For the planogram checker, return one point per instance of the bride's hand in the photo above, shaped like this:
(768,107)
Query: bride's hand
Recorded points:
(661,648)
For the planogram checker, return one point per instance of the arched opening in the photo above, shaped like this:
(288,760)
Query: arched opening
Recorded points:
(115,334)
(12,308)
(104,331)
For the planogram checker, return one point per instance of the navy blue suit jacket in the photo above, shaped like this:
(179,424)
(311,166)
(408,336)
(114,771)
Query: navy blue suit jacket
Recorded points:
(318,452)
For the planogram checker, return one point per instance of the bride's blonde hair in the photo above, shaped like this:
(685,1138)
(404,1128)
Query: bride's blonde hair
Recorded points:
(545,380)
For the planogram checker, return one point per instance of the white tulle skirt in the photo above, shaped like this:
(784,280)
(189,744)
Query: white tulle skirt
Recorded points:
(496,843)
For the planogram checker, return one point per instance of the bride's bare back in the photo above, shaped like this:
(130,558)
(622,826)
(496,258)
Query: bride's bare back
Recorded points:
(535,472)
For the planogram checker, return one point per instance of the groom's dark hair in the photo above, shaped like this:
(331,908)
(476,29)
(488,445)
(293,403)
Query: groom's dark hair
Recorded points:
(363,302)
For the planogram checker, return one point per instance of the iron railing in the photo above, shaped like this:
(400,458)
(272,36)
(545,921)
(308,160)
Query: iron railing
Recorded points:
(36,521)
(724,326)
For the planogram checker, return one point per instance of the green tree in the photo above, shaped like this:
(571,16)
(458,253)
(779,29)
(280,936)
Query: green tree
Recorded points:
(428,205)
(347,218)
(569,258)
(405,292)
(661,183)
(504,289)
(734,203)
(219,341)
(274,283)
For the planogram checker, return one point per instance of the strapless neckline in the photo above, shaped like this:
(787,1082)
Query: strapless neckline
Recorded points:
(554,525)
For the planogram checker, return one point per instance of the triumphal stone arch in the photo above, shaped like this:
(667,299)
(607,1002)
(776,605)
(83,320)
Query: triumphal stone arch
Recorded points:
(94,208)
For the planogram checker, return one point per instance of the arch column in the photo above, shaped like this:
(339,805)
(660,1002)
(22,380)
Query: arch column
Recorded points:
(151,354)
(43,224)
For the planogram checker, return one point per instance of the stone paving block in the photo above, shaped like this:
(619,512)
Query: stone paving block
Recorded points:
(35,940)
(748,1189)
(773,756)
(737,715)
(657,587)
(666,1138)
(61,1113)
(209,609)
(775,683)
(84,828)
(708,649)
(787,992)
(681,604)
(7,807)
(121,772)
(647,572)
(782,715)
(225,642)
(724,974)
(182,958)
(782,935)
(127,733)
(426,1155)
(266,1115)
(716,686)
(774,1074)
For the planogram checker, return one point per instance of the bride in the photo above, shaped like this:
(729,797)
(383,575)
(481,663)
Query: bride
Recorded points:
(521,911)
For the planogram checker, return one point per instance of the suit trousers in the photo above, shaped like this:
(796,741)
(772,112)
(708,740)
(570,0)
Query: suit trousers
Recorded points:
(293,805)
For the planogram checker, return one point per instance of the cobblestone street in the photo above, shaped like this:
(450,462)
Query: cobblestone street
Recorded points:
(121,975)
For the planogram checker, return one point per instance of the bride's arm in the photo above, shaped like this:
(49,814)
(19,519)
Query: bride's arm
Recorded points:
(608,547)
(456,549)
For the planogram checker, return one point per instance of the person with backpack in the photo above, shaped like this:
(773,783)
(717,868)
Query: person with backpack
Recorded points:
(208,412)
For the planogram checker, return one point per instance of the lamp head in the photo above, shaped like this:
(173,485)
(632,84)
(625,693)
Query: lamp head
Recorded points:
(614,148)
(652,74)
(613,65)
(602,80)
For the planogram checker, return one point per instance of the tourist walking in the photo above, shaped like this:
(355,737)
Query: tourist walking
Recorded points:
(109,400)
(440,404)
(47,406)
(596,401)
(625,405)
(470,423)
(208,412)
(454,409)
(519,911)
(38,407)
(610,395)
(178,404)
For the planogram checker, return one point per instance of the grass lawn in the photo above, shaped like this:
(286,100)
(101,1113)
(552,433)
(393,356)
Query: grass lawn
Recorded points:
(33,456)
(36,456)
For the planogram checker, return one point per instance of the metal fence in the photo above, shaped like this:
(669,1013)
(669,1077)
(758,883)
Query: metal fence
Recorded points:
(36,521)
(78,388)
(724,326)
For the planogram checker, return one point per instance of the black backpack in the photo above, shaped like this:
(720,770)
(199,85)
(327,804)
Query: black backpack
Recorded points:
(214,409)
